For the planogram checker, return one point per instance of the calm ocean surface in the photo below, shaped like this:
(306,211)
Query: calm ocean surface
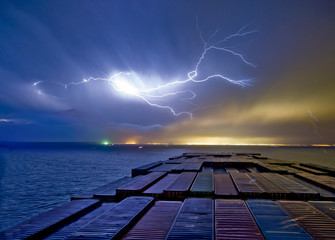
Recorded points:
(35,178)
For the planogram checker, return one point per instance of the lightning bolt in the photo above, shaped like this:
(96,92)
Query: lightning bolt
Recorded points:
(122,81)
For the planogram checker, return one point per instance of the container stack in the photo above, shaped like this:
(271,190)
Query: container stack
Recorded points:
(199,196)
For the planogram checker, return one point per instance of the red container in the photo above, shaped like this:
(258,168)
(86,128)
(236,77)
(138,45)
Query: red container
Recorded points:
(317,224)
(224,186)
(156,223)
(234,221)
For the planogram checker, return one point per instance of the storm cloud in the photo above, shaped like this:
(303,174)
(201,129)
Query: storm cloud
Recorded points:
(47,45)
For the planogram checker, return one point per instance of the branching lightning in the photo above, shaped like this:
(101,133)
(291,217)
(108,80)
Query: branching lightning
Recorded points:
(122,82)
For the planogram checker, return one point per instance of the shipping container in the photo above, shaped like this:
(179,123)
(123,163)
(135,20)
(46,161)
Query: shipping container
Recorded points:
(324,193)
(156,223)
(117,221)
(144,169)
(66,231)
(179,188)
(224,186)
(308,170)
(194,220)
(166,167)
(188,166)
(253,169)
(234,221)
(108,192)
(319,225)
(139,185)
(274,222)
(231,170)
(327,207)
(203,184)
(266,167)
(246,186)
(48,222)
(327,182)
(157,189)
(297,190)
(329,170)
(207,169)
(105,192)
(271,189)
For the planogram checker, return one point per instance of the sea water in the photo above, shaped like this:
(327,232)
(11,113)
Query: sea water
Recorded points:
(38,177)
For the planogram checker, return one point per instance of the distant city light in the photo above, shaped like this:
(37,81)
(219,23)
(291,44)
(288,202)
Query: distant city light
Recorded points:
(105,142)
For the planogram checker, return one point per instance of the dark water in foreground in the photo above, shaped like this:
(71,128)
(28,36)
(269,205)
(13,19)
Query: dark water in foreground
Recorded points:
(37,178)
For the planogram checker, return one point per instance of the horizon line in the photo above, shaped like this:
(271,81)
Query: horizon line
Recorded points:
(172,144)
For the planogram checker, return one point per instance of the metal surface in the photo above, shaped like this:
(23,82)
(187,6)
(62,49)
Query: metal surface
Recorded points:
(166,167)
(327,207)
(76,225)
(318,224)
(245,185)
(234,221)
(271,189)
(296,189)
(156,223)
(144,169)
(203,184)
(274,222)
(115,222)
(139,184)
(327,182)
(161,185)
(194,221)
(46,223)
(224,186)
(324,193)
(179,188)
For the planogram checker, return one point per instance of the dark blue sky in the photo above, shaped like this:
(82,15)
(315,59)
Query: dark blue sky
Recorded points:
(289,98)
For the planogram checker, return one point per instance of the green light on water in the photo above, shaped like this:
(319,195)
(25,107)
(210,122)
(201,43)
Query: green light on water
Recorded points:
(105,142)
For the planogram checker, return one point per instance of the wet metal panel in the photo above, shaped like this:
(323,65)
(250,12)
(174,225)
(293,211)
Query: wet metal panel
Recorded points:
(297,189)
(274,222)
(234,221)
(271,189)
(194,221)
(327,182)
(156,223)
(179,188)
(144,169)
(115,222)
(224,185)
(76,225)
(327,207)
(245,185)
(203,184)
(161,185)
(140,184)
(164,167)
(324,193)
(318,224)
(48,222)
